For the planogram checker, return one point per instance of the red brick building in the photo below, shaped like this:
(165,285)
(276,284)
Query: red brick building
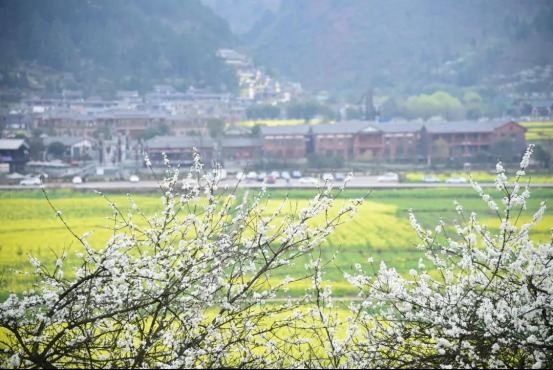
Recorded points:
(286,142)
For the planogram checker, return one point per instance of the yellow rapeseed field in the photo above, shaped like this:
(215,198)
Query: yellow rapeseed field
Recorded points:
(538,130)
(380,229)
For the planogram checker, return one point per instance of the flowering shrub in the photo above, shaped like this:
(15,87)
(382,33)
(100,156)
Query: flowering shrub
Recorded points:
(487,304)
(188,287)
(195,286)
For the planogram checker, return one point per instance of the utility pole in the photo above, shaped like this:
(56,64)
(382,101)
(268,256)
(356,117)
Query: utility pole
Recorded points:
(101,151)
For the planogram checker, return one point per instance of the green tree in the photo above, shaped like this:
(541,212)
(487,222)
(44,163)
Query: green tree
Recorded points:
(102,131)
(438,104)
(156,129)
(542,155)
(303,110)
(82,38)
(57,150)
(392,107)
(36,145)
(473,104)
(263,111)
(353,113)
(256,129)
(216,127)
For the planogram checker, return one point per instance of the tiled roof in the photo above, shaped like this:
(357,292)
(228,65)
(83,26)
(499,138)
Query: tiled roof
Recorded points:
(12,144)
(179,142)
(343,127)
(391,127)
(302,129)
(464,126)
(234,142)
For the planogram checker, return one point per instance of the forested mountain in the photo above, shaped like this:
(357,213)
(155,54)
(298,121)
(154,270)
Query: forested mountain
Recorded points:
(99,45)
(242,14)
(408,46)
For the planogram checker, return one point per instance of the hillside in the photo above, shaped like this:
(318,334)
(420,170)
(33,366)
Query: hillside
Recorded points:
(408,46)
(98,46)
(241,15)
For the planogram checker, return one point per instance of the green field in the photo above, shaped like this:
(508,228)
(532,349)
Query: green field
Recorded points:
(381,228)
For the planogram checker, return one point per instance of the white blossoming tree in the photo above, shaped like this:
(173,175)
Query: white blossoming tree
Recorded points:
(197,285)
(486,301)
(191,286)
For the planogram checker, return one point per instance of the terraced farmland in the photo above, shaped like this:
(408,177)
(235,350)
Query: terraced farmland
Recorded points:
(538,130)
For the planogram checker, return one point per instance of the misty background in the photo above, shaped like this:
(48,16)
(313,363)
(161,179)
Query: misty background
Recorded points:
(338,50)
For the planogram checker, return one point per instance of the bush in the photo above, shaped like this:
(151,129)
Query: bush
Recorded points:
(486,302)
(194,286)
(189,287)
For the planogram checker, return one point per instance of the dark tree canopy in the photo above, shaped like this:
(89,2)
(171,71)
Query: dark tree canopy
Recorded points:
(131,44)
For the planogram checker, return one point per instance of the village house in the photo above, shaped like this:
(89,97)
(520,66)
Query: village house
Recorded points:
(186,124)
(344,139)
(368,140)
(469,138)
(367,143)
(542,109)
(67,123)
(402,142)
(241,151)
(133,123)
(15,123)
(397,142)
(76,148)
(14,154)
(286,142)
(180,149)
(186,116)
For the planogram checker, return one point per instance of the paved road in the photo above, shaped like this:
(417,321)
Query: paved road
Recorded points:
(361,182)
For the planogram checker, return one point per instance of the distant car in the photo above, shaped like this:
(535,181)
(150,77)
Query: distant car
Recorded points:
(308,181)
(430,178)
(77,180)
(456,180)
(134,178)
(252,175)
(285,175)
(388,177)
(296,174)
(275,174)
(240,175)
(339,176)
(328,177)
(30,181)
(270,179)
(261,176)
